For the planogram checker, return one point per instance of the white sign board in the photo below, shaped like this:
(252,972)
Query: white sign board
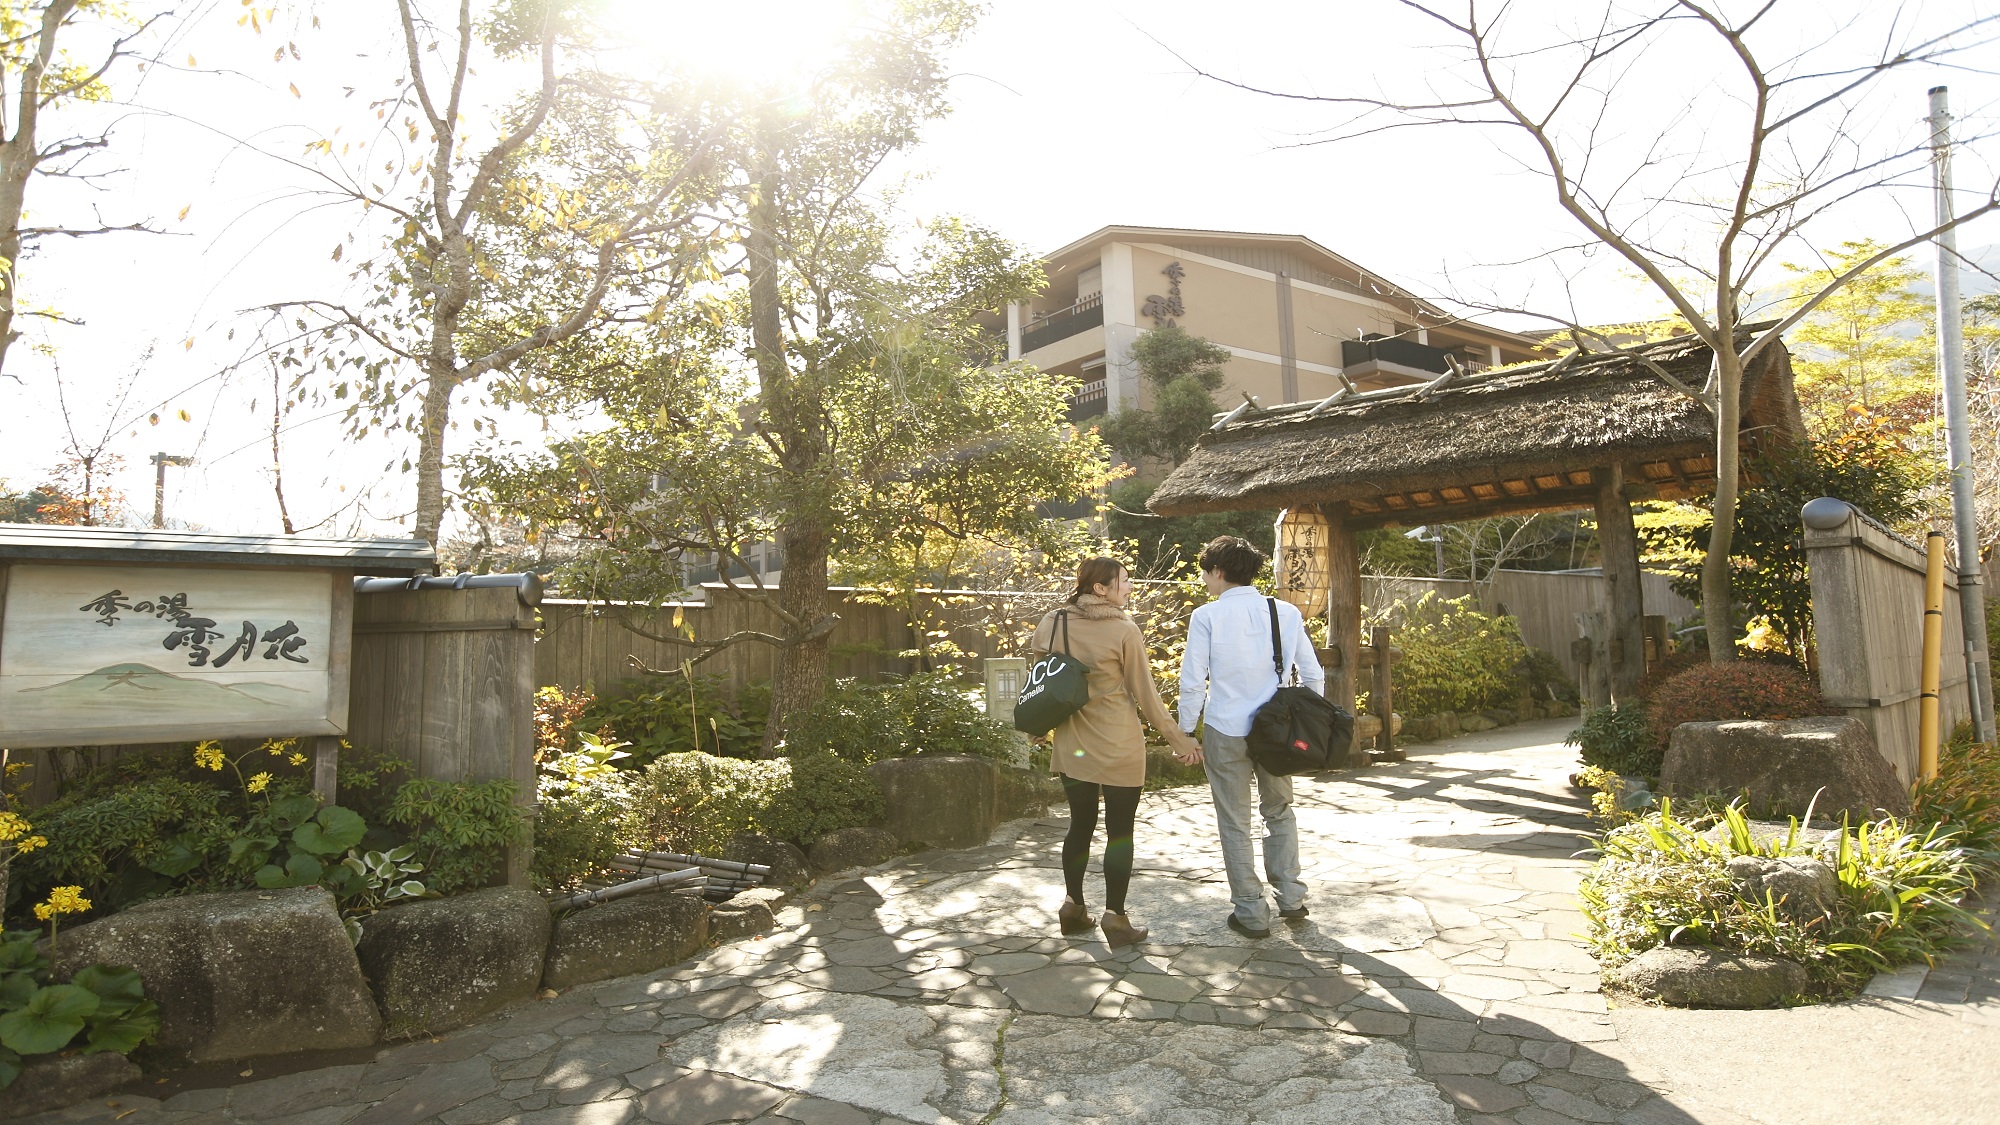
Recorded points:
(94,654)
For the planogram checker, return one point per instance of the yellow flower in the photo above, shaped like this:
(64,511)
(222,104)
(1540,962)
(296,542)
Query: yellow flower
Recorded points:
(258,782)
(278,746)
(297,759)
(63,900)
(11,825)
(208,755)
(31,843)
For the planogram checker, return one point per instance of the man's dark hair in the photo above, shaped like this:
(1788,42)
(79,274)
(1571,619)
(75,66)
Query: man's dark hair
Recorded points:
(1234,556)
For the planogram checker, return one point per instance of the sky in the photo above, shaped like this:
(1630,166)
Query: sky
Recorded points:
(1067,116)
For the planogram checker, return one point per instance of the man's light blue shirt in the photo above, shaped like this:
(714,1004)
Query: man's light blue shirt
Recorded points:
(1226,672)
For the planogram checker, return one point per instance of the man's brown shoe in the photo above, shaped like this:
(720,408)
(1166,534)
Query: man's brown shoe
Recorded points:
(1119,931)
(1075,918)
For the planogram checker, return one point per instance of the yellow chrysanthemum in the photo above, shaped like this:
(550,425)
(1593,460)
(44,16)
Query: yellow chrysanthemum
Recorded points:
(258,782)
(297,759)
(208,755)
(63,900)
(31,843)
(12,825)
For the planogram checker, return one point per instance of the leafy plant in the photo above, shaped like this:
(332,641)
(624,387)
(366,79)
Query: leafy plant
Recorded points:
(1619,739)
(557,711)
(459,830)
(921,714)
(1455,657)
(825,793)
(104,1005)
(1741,689)
(692,713)
(584,800)
(1664,880)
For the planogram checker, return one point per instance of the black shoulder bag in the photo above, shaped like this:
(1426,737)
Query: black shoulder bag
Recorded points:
(1057,687)
(1297,730)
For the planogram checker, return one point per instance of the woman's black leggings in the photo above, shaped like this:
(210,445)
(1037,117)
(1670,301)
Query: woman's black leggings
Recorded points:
(1121,804)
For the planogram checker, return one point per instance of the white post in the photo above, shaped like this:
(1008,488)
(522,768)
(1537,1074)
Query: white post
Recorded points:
(1013,330)
(1958,431)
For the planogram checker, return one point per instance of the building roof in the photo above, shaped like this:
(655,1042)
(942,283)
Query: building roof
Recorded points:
(36,542)
(1349,275)
(1512,439)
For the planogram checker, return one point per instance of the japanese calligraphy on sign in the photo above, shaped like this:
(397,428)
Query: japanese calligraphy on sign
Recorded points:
(162,653)
(1163,310)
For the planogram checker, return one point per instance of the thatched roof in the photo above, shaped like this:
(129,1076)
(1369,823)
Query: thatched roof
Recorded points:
(1513,439)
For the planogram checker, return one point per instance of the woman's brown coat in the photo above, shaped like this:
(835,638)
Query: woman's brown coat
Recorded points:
(1103,742)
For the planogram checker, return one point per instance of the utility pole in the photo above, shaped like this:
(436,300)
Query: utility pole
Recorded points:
(1958,428)
(160,463)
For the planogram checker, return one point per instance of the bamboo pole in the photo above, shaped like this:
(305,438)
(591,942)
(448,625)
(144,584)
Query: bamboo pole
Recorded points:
(689,878)
(704,861)
(1927,714)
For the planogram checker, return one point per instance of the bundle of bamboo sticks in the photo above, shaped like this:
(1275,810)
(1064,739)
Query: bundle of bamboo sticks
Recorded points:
(715,879)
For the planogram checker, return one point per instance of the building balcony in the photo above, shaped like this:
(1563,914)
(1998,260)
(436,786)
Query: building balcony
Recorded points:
(1391,355)
(1083,316)
(1087,402)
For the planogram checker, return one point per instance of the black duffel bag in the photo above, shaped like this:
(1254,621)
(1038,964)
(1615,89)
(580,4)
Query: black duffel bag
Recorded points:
(1057,687)
(1297,730)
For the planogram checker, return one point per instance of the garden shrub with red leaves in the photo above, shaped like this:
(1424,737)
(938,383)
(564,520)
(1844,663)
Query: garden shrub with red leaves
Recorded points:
(1741,689)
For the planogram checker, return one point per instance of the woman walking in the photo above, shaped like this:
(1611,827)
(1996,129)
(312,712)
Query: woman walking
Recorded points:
(1101,750)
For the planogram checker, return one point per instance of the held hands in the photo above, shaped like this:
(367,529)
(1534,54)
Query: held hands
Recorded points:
(1189,753)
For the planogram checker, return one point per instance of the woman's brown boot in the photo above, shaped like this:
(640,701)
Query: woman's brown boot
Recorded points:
(1075,917)
(1119,931)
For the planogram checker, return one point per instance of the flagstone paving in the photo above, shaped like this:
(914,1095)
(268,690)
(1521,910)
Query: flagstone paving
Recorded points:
(1439,979)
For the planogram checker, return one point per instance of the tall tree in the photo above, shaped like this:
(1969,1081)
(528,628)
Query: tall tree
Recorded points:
(39,76)
(1698,141)
(1871,346)
(508,249)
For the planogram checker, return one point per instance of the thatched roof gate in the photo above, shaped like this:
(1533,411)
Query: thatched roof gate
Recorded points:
(1587,430)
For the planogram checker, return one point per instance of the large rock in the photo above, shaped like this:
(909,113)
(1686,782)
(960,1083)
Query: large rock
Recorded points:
(1694,977)
(852,847)
(939,800)
(54,1081)
(442,963)
(746,914)
(1802,886)
(1782,765)
(628,935)
(237,975)
(789,868)
(1024,792)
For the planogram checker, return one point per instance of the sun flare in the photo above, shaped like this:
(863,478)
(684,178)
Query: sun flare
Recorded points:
(771,42)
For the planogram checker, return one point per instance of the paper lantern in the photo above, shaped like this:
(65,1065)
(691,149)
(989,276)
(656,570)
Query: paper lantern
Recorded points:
(1302,565)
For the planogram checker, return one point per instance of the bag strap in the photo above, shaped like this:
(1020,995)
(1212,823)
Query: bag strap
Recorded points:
(1062,618)
(1277,648)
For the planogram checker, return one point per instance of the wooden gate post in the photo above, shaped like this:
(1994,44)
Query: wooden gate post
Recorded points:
(1619,541)
(1382,692)
(1343,607)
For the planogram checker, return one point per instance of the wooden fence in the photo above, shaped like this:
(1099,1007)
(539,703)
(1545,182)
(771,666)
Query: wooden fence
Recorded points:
(595,644)
(444,678)
(1868,615)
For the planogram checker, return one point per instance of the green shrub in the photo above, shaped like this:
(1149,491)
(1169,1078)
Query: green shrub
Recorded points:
(459,830)
(585,801)
(1663,881)
(1619,739)
(826,793)
(1740,689)
(688,714)
(1455,658)
(1544,677)
(106,842)
(693,803)
(923,714)
(1964,797)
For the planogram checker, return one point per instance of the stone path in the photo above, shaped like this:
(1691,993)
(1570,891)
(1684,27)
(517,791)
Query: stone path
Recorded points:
(1437,981)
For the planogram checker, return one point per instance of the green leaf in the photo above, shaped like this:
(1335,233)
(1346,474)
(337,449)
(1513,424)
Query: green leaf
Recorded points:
(126,1031)
(271,877)
(304,869)
(179,859)
(292,811)
(333,831)
(118,988)
(16,989)
(10,1067)
(49,1021)
(18,955)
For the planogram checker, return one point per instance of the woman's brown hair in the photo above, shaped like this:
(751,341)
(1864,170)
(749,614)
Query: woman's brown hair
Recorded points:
(1100,571)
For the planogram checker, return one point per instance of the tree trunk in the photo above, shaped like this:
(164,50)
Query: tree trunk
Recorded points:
(1619,542)
(802,593)
(1717,609)
(438,390)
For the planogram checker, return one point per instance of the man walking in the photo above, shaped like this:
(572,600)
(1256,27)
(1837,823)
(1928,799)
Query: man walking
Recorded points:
(1226,675)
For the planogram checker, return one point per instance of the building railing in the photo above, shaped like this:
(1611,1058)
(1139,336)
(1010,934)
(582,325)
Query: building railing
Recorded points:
(1087,402)
(1044,330)
(1393,349)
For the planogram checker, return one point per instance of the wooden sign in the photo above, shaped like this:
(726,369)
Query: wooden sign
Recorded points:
(107,654)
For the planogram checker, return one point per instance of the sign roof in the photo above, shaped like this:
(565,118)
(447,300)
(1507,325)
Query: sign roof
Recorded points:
(32,541)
